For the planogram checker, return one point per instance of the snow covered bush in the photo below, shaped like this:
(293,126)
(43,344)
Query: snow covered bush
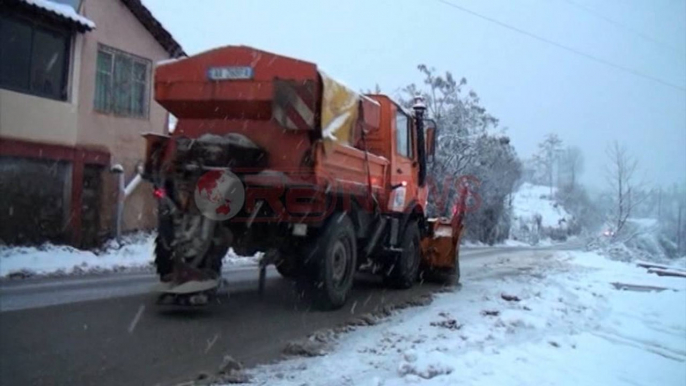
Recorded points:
(640,239)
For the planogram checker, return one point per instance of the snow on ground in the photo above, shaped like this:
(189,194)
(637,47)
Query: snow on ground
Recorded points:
(506,243)
(232,259)
(515,243)
(531,200)
(529,318)
(135,252)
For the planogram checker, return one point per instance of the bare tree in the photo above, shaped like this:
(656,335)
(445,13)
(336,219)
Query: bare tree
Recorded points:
(621,178)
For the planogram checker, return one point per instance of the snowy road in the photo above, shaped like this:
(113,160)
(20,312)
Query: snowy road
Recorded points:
(530,318)
(41,292)
(106,330)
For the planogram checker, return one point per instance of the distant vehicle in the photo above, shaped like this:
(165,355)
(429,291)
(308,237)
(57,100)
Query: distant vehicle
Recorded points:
(271,155)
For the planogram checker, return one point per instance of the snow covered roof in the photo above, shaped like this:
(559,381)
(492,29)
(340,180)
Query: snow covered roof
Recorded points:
(67,13)
(63,11)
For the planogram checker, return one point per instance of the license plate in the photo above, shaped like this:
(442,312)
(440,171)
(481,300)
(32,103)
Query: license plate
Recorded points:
(231,72)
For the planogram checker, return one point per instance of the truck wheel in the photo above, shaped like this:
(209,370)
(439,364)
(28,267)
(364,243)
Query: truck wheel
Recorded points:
(215,258)
(287,267)
(163,254)
(405,267)
(163,258)
(335,262)
(164,263)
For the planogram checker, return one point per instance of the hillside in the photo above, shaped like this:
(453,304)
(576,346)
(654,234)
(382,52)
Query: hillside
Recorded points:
(537,216)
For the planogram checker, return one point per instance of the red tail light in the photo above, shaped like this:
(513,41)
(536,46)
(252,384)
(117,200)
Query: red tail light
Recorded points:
(159,193)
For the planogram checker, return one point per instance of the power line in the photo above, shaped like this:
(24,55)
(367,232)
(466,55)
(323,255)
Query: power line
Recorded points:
(619,25)
(564,47)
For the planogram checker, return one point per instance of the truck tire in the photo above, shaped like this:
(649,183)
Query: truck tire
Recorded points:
(334,262)
(215,258)
(287,267)
(163,258)
(164,263)
(163,253)
(404,269)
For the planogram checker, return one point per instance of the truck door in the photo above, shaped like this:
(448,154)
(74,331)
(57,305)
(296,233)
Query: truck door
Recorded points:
(403,165)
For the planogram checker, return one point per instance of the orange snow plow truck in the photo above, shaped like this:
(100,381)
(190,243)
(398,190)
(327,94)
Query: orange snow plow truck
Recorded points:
(271,155)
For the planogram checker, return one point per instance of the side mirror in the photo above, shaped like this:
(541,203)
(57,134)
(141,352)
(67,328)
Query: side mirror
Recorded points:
(430,129)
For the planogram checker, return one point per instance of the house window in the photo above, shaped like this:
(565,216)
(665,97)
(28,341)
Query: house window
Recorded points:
(402,134)
(34,58)
(121,83)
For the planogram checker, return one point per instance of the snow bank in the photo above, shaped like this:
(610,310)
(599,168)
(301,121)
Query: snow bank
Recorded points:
(233,260)
(136,251)
(543,319)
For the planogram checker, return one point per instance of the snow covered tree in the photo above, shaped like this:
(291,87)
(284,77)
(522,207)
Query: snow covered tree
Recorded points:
(469,142)
(498,169)
(547,157)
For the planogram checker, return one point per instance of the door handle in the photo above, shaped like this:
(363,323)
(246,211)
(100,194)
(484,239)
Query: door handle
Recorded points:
(399,171)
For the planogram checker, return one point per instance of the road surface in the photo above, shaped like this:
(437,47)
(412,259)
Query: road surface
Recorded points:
(106,330)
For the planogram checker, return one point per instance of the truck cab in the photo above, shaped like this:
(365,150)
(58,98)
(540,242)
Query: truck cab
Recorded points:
(397,141)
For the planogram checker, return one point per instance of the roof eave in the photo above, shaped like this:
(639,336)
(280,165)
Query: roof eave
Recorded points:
(156,29)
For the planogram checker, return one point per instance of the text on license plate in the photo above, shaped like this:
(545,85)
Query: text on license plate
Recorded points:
(231,72)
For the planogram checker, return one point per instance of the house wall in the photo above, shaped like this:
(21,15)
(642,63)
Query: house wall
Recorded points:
(117,27)
(31,118)
(38,157)
(28,117)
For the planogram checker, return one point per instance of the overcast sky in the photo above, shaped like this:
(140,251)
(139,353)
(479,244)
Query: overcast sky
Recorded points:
(533,88)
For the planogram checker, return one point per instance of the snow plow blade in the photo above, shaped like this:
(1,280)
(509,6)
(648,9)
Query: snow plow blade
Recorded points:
(439,248)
